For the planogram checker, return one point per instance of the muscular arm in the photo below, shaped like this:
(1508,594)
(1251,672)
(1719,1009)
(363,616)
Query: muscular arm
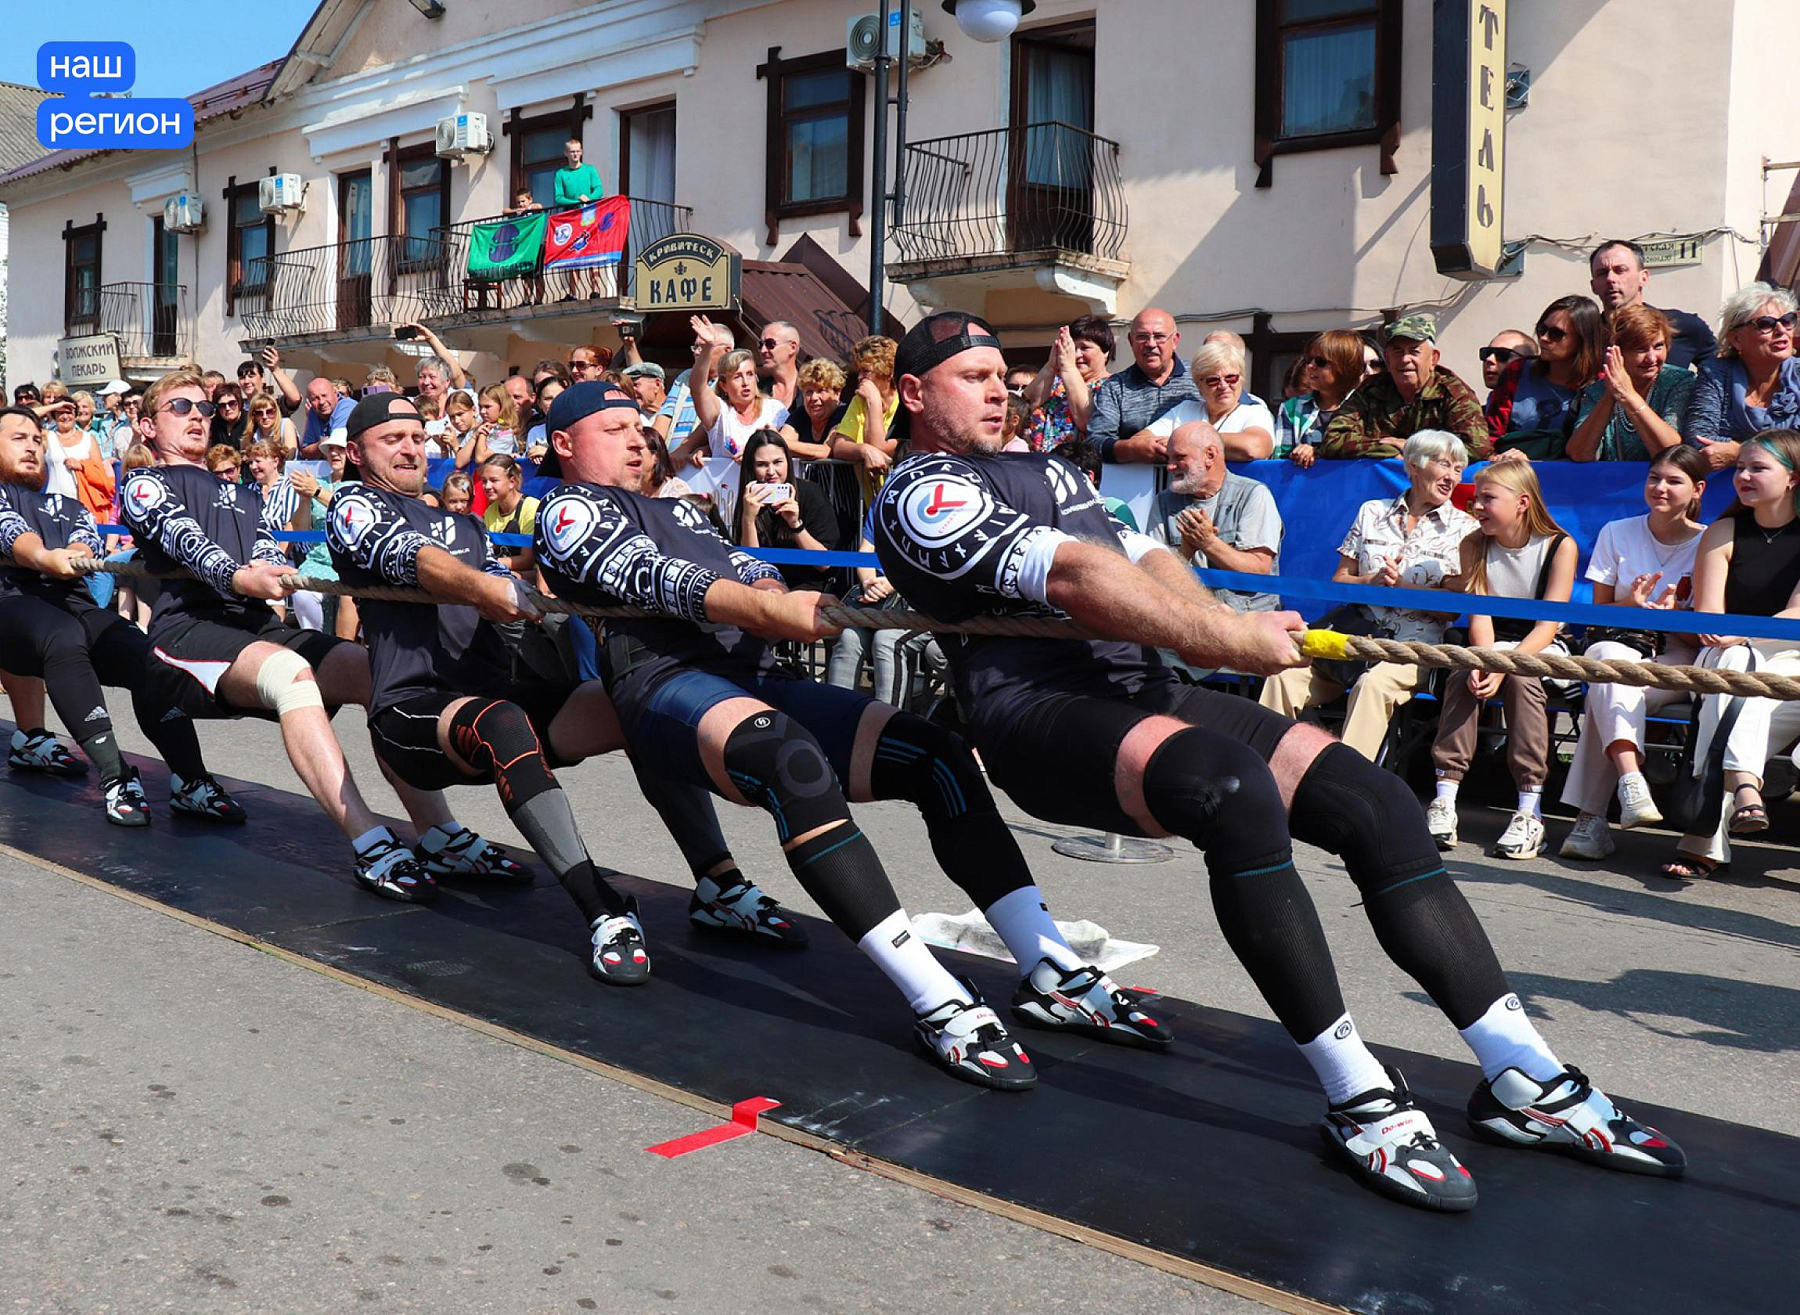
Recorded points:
(1177,576)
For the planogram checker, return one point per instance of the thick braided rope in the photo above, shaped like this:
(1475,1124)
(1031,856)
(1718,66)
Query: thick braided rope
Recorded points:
(1316,643)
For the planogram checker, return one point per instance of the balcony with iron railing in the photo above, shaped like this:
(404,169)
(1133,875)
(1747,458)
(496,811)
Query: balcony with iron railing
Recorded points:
(150,321)
(1036,205)
(359,289)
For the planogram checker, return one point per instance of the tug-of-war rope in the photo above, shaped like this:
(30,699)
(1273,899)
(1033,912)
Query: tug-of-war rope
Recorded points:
(1325,644)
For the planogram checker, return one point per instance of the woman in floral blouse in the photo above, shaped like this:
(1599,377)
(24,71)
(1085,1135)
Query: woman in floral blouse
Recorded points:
(1062,393)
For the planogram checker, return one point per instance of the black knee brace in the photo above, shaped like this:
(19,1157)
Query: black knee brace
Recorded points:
(1348,806)
(1218,793)
(777,765)
(934,768)
(496,738)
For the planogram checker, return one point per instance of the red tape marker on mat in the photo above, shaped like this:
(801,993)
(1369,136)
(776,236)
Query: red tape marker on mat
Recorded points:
(743,1123)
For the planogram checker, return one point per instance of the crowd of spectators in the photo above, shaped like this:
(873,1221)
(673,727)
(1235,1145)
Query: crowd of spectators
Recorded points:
(785,453)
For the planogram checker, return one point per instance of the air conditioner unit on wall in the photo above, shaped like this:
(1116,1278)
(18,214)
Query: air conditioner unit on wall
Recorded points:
(281,194)
(184,213)
(463,134)
(862,39)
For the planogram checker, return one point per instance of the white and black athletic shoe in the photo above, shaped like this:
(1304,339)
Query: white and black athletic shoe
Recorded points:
(746,909)
(1571,1115)
(41,751)
(1389,1143)
(126,802)
(619,957)
(968,1041)
(468,857)
(388,868)
(1088,1002)
(204,797)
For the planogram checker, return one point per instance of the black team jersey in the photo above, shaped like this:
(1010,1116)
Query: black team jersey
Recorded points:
(375,537)
(59,522)
(605,546)
(187,516)
(963,536)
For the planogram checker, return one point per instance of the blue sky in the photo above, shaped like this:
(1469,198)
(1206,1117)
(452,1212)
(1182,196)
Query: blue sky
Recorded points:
(182,45)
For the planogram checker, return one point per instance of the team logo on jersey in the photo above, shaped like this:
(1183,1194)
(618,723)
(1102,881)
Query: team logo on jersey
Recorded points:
(689,515)
(226,498)
(145,492)
(565,523)
(442,530)
(1063,479)
(940,507)
(352,518)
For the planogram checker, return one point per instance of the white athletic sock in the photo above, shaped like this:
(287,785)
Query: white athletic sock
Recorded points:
(1532,801)
(910,964)
(1504,1038)
(368,838)
(1344,1066)
(436,836)
(1030,933)
(1447,789)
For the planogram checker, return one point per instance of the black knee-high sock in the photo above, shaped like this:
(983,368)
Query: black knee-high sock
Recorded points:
(74,691)
(688,815)
(1348,806)
(840,870)
(171,731)
(1218,793)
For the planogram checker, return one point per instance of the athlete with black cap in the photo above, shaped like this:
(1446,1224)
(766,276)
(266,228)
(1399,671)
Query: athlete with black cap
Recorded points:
(444,708)
(964,532)
(50,627)
(225,653)
(700,697)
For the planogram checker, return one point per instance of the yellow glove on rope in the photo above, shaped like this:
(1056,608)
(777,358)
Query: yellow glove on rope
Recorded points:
(1327,644)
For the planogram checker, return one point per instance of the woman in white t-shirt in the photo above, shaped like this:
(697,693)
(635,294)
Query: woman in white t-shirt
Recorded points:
(734,408)
(1642,561)
(1246,426)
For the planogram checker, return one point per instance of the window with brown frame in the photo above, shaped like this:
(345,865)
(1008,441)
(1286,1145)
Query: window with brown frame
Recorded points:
(249,242)
(81,276)
(424,205)
(537,148)
(815,138)
(1327,75)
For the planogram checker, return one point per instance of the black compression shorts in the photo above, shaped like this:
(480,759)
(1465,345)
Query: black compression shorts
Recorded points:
(1058,759)
(406,739)
(192,655)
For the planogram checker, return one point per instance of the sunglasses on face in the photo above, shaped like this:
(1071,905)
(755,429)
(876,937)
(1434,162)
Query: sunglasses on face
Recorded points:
(1550,333)
(1767,323)
(1315,363)
(183,405)
(263,411)
(584,365)
(228,401)
(1222,380)
(1500,354)
(771,343)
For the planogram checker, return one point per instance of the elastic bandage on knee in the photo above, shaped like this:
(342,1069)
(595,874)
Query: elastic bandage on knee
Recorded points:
(496,738)
(777,765)
(285,683)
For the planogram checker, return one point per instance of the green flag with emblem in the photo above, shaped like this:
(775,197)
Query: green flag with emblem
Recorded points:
(507,248)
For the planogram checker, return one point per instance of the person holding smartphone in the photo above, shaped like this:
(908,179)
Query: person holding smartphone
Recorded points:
(778,511)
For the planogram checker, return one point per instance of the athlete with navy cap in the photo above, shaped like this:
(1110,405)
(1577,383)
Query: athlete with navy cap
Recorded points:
(699,694)
(964,532)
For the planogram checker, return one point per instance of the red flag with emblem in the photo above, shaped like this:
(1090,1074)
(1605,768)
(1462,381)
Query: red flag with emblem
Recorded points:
(588,236)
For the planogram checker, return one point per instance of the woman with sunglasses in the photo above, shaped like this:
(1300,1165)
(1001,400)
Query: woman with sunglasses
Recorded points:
(1532,408)
(1330,370)
(1634,411)
(231,422)
(1753,383)
(1246,426)
(268,425)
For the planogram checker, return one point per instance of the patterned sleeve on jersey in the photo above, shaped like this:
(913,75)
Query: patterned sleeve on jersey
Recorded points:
(153,513)
(278,509)
(590,540)
(87,531)
(750,569)
(12,525)
(364,529)
(492,565)
(942,518)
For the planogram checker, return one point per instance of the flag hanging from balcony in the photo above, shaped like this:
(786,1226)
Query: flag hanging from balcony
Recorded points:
(589,235)
(507,248)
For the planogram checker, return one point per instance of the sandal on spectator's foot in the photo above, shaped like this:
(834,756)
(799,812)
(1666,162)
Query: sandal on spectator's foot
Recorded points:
(1691,867)
(1748,819)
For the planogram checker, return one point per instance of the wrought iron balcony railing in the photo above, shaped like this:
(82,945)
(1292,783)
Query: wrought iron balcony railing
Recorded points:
(367,284)
(150,320)
(1032,188)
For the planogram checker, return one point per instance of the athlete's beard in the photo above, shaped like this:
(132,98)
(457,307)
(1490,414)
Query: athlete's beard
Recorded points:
(25,479)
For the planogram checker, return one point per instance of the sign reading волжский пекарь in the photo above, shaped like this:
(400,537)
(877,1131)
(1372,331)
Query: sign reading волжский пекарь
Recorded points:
(687,272)
(90,361)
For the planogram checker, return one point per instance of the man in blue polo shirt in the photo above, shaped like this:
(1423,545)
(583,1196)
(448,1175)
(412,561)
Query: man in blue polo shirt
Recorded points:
(327,413)
(1127,403)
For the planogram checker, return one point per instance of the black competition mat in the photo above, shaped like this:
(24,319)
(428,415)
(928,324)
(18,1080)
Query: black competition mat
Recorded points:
(1208,1153)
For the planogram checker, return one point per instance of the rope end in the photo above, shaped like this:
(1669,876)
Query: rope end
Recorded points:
(1326,644)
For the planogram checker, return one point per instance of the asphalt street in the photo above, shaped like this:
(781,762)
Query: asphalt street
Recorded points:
(196,1125)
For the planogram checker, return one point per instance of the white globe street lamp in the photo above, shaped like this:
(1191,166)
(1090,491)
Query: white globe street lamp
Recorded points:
(988,20)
